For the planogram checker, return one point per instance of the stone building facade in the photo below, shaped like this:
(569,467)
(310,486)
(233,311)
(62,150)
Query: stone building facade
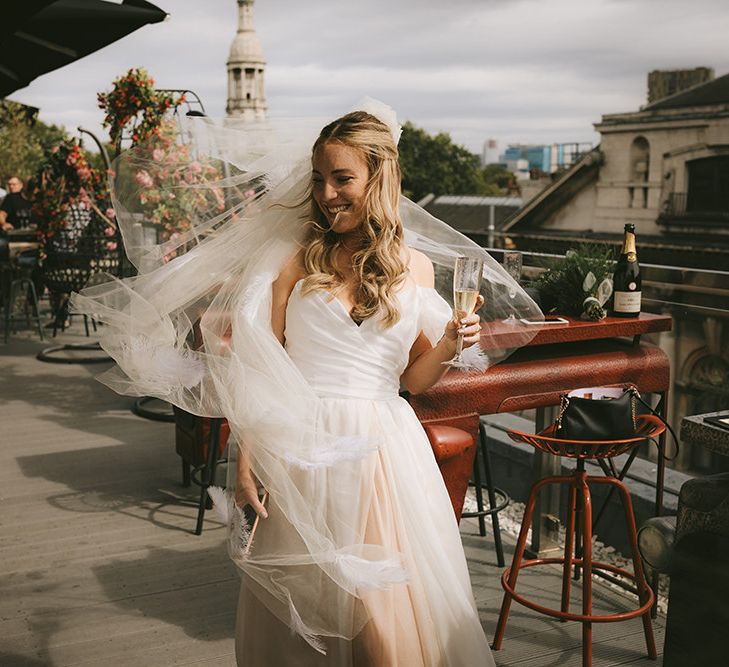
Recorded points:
(246,69)
(664,168)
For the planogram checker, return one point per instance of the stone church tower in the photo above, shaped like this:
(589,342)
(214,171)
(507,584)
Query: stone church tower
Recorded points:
(246,97)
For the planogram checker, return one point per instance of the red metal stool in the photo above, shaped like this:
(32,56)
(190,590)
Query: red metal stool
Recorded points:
(578,482)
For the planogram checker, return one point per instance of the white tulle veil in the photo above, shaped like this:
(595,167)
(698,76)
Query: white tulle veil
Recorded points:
(193,328)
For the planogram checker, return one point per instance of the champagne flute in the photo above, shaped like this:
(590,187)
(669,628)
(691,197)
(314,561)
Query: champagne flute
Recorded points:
(466,283)
(512,264)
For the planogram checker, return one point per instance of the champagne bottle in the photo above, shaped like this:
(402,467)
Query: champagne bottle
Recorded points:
(626,279)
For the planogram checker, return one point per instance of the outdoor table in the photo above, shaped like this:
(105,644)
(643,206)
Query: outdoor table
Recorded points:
(20,241)
(559,358)
(17,248)
(697,431)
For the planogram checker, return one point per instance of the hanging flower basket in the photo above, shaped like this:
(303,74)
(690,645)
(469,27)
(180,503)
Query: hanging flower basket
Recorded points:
(134,105)
(65,185)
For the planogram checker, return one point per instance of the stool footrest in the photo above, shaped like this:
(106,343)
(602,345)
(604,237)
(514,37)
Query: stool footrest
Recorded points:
(503,504)
(568,616)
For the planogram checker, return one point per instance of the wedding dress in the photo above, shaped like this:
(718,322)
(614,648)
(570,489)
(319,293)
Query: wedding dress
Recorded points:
(399,500)
(360,557)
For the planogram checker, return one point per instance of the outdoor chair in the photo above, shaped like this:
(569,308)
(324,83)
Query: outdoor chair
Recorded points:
(18,288)
(76,256)
(201,443)
(461,451)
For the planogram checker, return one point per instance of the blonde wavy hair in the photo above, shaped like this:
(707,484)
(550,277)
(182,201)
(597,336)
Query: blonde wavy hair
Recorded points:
(378,265)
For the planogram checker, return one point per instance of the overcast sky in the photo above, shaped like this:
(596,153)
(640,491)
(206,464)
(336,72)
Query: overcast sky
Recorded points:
(531,71)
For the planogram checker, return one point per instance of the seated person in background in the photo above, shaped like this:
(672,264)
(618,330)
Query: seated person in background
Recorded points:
(15,210)
(15,213)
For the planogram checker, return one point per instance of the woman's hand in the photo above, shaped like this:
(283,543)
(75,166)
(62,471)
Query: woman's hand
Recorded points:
(469,326)
(246,492)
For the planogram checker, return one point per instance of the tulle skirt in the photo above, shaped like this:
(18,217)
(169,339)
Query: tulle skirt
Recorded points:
(401,503)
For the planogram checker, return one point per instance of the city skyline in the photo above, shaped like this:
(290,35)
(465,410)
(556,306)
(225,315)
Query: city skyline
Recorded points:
(524,71)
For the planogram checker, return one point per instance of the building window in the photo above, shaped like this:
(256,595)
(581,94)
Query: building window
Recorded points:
(708,185)
(639,164)
(236,83)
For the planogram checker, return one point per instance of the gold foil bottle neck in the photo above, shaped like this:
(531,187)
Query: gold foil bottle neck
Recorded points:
(629,247)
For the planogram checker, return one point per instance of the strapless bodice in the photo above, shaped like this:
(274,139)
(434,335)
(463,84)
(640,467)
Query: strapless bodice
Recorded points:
(338,357)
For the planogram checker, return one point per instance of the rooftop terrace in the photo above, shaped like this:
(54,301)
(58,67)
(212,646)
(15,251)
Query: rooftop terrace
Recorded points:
(99,566)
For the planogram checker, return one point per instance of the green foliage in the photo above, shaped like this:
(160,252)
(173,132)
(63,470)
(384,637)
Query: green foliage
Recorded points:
(24,140)
(500,177)
(434,164)
(563,288)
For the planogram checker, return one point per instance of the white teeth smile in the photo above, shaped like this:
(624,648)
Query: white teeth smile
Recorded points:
(337,209)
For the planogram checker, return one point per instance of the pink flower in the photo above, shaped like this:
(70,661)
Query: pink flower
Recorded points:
(144,179)
(158,155)
(83,173)
(110,213)
(195,167)
(109,231)
(111,245)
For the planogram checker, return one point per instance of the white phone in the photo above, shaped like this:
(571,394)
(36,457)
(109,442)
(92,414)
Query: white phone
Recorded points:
(549,319)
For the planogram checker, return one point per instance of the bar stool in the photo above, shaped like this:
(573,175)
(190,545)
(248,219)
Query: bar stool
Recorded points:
(454,450)
(580,502)
(498,498)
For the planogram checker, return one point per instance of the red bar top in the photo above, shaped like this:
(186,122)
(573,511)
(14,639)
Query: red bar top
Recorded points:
(497,334)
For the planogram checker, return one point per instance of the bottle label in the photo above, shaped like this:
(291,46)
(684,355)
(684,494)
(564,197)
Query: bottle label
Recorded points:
(632,257)
(627,302)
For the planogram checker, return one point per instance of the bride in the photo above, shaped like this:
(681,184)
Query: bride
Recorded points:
(314,308)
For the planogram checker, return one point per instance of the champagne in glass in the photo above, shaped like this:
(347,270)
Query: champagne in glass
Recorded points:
(464,302)
(466,282)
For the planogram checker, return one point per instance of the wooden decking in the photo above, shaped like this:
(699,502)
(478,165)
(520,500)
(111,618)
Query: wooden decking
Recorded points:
(98,564)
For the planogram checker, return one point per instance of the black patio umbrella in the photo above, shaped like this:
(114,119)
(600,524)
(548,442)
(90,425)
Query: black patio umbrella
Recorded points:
(38,36)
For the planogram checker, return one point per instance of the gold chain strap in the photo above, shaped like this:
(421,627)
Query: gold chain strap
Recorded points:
(635,395)
(564,402)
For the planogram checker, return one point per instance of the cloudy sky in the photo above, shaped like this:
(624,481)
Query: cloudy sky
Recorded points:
(533,71)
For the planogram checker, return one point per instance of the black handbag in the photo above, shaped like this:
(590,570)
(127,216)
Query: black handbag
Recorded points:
(604,413)
(598,413)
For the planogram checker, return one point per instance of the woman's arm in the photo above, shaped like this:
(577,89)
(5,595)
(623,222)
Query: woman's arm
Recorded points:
(426,367)
(281,291)
(246,487)
(246,492)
